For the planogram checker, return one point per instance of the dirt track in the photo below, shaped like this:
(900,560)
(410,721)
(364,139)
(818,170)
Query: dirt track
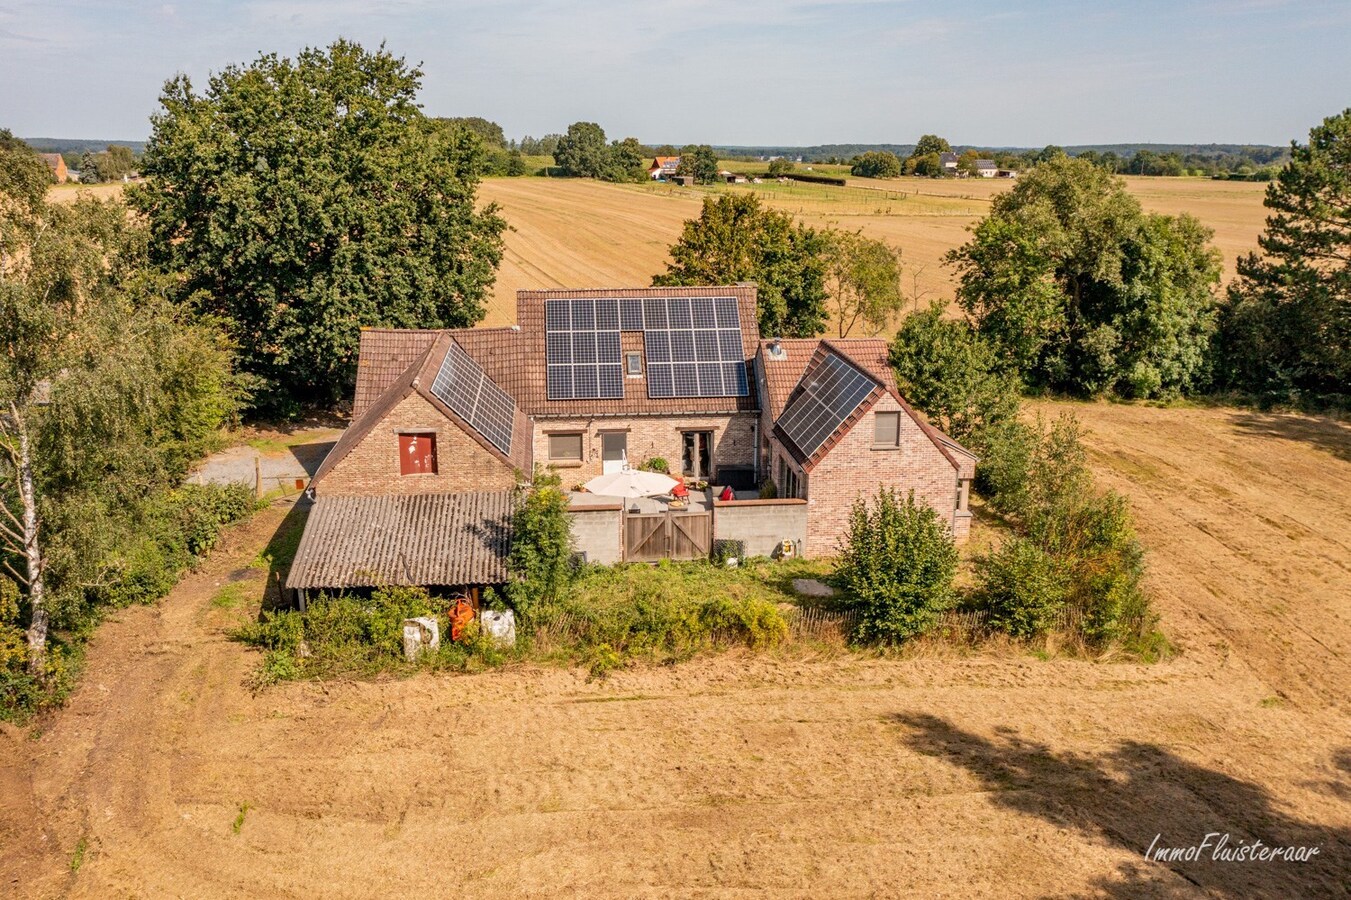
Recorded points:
(790,775)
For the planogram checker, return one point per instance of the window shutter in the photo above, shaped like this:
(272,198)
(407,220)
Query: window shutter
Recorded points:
(887,429)
(417,454)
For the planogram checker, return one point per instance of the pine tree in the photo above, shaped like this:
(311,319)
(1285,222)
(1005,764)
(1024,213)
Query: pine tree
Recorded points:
(1286,331)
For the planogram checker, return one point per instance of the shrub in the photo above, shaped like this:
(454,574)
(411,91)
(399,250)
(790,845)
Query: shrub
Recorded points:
(1068,532)
(540,558)
(203,509)
(1006,453)
(1107,586)
(668,610)
(897,562)
(337,634)
(656,464)
(1023,587)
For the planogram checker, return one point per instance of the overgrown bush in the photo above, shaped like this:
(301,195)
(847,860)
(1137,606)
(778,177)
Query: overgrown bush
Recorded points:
(1023,588)
(896,563)
(540,559)
(338,634)
(1076,547)
(670,610)
(175,529)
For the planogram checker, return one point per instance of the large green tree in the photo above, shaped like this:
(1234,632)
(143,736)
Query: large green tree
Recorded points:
(736,239)
(1286,330)
(863,279)
(628,161)
(582,152)
(699,162)
(301,200)
(931,143)
(952,375)
(1081,291)
(876,164)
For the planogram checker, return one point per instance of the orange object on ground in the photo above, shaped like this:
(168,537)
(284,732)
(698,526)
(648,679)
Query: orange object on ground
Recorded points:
(727,493)
(461,614)
(680,490)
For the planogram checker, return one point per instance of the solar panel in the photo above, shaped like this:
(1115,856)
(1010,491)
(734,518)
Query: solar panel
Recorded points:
(462,385)
(582,348)
(694,347)
(830,395)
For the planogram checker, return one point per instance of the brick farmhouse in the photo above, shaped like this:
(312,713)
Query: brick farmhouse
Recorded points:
(443,413)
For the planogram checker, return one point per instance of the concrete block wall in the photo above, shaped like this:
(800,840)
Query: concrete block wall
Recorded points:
(599,533)
(648,436)
(372,467)
(761,525)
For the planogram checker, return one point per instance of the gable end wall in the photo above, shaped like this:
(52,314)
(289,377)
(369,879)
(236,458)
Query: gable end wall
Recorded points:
(372,467)
(853,468)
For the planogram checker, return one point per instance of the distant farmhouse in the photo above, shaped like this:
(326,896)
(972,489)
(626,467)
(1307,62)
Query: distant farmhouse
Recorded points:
(663,168)
(948,160)
(773,440)
(986,168)
(57,164)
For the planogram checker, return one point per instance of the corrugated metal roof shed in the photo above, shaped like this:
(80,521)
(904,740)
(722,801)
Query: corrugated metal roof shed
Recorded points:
(442,540)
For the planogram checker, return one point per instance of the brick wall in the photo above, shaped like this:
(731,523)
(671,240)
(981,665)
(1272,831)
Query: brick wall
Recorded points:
(372,467)
(648,436)
(853,468)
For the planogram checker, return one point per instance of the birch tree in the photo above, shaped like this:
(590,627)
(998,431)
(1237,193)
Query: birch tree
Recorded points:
(863,279)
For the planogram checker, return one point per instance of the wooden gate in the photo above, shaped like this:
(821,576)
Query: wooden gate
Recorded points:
(649,537)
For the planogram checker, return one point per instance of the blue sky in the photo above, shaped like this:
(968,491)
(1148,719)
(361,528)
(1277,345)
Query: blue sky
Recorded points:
(792,72)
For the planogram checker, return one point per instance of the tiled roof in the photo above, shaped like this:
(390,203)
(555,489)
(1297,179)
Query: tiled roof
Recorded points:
(782,373)
(417,377)
(422,539)
(782,376)
(823,350)
(385,354)
(514,358)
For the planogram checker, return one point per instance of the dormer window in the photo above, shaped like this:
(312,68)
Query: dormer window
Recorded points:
(633,364)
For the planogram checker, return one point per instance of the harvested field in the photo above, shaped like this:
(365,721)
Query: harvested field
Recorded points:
(590,234)
(942,773)
(582,233)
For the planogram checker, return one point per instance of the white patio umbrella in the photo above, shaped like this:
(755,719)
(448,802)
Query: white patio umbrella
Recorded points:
(631,483)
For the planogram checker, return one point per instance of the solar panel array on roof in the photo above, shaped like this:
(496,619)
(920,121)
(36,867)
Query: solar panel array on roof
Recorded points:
(582,351)
(830,395)
(463,386)
(693,346)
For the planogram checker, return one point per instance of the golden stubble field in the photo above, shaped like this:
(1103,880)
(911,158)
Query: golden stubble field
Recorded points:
(578,233)
(789,774)
(568,233)
(797,773)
